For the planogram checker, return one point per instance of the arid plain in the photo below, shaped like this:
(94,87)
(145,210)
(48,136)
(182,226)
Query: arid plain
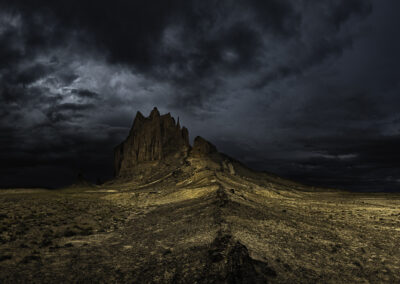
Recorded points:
(209,226)
(196,216)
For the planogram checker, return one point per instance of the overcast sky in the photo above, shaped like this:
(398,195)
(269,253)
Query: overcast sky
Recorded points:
(305,89)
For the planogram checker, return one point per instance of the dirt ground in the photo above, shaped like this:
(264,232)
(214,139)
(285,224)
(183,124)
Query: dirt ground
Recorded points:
(199,225)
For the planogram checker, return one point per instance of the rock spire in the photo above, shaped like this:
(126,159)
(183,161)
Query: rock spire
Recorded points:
(151,138)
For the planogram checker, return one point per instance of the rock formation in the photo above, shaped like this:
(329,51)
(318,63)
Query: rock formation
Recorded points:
(154,144)
(152,138)
(202,147)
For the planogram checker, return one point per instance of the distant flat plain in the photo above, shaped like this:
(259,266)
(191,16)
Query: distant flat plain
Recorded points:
(199,226)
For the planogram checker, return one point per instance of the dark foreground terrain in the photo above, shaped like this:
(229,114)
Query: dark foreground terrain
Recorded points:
(203,223)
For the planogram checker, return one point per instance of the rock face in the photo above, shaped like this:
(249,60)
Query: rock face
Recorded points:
(152,138)
(202,147)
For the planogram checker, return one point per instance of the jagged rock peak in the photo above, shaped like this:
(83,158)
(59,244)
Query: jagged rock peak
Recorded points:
(154,113)
(139,116)
(151,138)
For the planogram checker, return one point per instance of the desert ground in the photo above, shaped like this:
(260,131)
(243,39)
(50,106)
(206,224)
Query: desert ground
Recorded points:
(199,224)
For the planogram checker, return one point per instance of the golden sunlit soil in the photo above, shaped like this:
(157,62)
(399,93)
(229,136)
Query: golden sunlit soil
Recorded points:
(199,224)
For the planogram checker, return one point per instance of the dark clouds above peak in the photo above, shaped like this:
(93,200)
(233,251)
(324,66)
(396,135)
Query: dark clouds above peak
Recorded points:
(317,81)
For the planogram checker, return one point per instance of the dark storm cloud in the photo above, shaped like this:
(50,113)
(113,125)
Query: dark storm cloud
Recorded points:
(135,36)
(345,9)
(352,160)
(189,41)
(308,89)
(83,93)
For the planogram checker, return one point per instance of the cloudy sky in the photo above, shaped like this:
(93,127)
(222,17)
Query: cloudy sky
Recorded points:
(305,89)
